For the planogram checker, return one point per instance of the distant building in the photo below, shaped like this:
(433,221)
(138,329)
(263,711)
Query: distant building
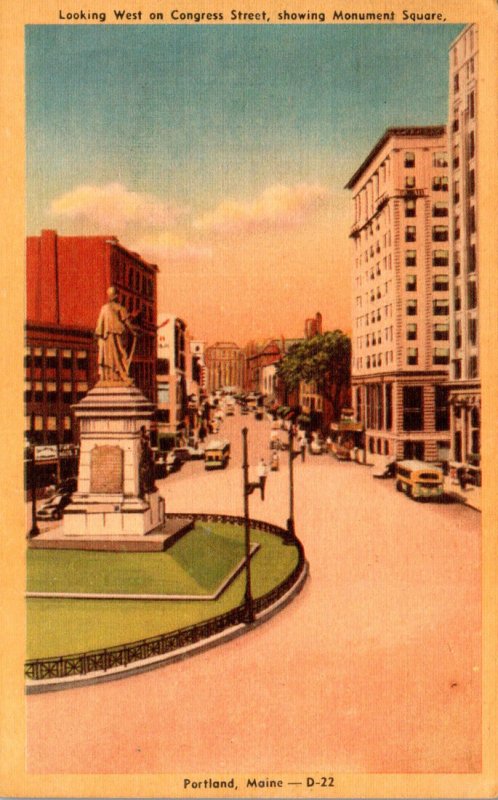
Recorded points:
(225,366)
(465,384)
(67,278)
(400,278)
(172,400)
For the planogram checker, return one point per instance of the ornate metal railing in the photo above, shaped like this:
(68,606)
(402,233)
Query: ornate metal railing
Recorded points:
(124,654)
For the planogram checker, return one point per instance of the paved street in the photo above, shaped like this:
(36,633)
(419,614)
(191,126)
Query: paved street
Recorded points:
(375,666)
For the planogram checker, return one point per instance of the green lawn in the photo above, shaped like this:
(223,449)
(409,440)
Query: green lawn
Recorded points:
(195,565)
(61,627)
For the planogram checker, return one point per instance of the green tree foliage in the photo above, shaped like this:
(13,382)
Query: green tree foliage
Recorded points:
(324,359)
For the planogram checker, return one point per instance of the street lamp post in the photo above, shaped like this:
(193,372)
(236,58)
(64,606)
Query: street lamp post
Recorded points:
(291,531)
(34,531)
(249,488)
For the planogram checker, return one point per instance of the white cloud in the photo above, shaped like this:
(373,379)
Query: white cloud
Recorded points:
(168,247)
(113,208)
(278,206)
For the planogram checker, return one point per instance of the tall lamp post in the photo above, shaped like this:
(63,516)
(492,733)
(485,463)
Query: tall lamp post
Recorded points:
(34,531)
(249,488)
(291,531)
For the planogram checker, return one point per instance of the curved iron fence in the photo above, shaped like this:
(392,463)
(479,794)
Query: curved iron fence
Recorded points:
(122,655)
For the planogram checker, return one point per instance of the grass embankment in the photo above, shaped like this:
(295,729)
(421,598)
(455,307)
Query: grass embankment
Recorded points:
(199,560)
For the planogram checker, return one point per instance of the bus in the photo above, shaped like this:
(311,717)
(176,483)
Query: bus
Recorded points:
(419,480)
(216,454)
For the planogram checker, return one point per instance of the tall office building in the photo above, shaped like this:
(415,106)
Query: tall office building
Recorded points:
(465,386)
(400,340)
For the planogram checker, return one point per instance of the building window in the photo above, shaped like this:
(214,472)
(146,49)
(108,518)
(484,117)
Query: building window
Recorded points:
(456,191)
(51,392)
(441,355)
(411,330)
(412,356)
(440,209)
(440,233)
(441,331)
(458,334)
(440,183)
(38,396)
(440,308)
(471,105)
(440,283)
(472,181)
(456,264)
(472,258)
(410,182)
(472,144)
(472,219)
(471,294)
(51,359)
(456,125)
(410,233)
(472,331)
(67,394)
(410,208)
(457,368)
(409,160)
(412,408)
(456,83)
(411,283)
(440,258)
(456,156)
(442,420)
(81,390)
(27,391)
(162,366)
(411,258)
(411,308)
(82,360)
(163,394)
(456,228)
(457,299)
(440,159)
(38,358)
(473,368)
(67,359)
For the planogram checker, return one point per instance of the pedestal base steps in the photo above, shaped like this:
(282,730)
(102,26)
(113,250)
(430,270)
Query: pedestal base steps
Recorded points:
(157,540)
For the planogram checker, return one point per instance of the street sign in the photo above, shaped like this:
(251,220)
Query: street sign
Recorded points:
(46,452)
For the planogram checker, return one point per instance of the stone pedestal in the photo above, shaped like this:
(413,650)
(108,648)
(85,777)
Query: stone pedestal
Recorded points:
(111,501)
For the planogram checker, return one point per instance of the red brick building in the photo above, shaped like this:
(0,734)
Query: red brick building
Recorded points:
(67,278)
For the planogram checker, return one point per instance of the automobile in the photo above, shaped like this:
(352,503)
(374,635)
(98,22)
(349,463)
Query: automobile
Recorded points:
(258,414)
(385,469)
(54,508)
(173,462)
(244,410)
(189,453)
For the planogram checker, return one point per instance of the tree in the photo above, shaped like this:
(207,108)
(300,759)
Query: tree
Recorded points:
(325,359)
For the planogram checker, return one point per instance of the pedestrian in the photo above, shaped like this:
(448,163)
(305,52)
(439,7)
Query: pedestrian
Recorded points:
(462,478)
(302,447)
(262,477)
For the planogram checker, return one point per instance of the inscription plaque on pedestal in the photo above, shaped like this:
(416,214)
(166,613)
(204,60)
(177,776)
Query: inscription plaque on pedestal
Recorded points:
(106,469)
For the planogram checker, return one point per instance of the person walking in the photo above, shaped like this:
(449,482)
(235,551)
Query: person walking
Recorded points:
(261,472)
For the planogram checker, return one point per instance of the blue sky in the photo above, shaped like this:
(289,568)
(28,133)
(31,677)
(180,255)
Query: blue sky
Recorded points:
(192,115)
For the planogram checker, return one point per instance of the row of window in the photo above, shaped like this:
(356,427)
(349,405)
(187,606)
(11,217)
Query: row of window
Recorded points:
(52,392)
(134,279)
(440,233)
(378,411)
(46,429)
(439,183)
(472,367)
(375,316)
(440,357)
(471,296)
(440,283)
(439,159)
(52,358)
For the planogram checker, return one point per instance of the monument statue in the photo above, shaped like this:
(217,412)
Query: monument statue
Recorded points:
(113,327)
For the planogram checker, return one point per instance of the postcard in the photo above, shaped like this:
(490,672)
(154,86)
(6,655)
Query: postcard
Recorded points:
(249,386)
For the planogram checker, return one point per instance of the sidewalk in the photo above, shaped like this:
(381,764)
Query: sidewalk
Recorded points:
(471,496)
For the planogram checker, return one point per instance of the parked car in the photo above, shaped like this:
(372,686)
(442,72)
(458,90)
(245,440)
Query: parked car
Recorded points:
(54,508)
(173,462)
(385,469)
(189,453)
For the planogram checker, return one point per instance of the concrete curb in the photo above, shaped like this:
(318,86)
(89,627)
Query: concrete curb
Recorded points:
(72,682)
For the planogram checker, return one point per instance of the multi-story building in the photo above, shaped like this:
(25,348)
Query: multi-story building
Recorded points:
(400,340)
(465,386)
(172,397)
(225,366)
(67,278)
